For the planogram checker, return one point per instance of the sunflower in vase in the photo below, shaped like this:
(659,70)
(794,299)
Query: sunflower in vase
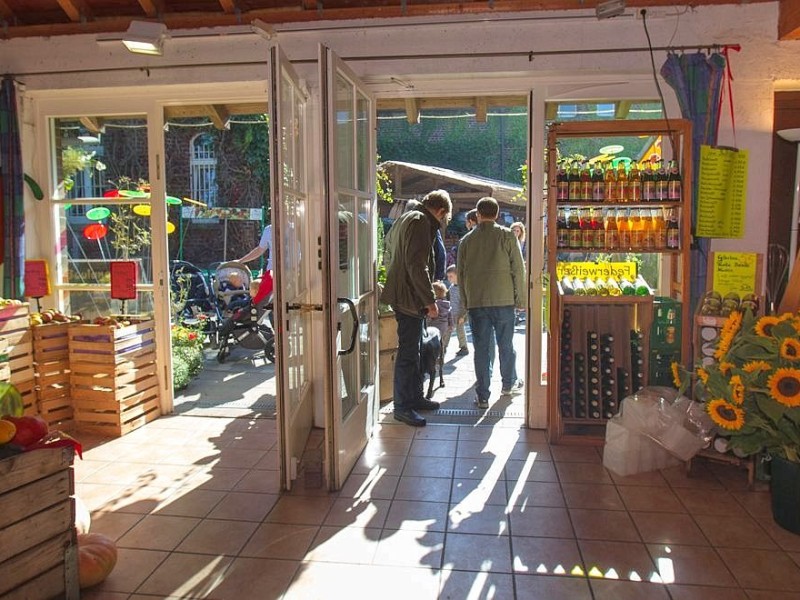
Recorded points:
(752,391)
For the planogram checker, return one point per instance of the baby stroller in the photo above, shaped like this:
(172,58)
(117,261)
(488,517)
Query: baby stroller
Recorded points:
(244,324)
(195,300)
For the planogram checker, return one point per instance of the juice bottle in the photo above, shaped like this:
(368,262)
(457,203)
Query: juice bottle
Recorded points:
(586,183)
(587,234)
(660,229)
(624,228)
(661,183)
(649,184)
(673,230)
(635,184)
(562,233)
(574,181)
(637,230)
(562,183)
(598,183)
(574,228)
(612,235)
(622,194)
(598,229)
(648,229)
(610,184)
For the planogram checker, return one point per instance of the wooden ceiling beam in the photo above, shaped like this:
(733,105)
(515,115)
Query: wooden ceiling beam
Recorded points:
(76,10)
(412,111)
(228,6)
(789,20)
(93,124)
(218,114)
(152,8)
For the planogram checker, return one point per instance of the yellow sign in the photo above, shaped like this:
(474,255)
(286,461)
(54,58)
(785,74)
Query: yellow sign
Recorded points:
(582,270)
(735,272)
(721,196)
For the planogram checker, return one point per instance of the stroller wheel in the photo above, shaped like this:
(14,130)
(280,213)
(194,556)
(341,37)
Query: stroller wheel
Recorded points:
(269,351)
(223,354)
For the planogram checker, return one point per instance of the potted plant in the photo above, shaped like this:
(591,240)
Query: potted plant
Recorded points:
(752,393)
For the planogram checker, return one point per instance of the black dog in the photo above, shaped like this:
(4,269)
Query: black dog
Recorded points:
(431,356)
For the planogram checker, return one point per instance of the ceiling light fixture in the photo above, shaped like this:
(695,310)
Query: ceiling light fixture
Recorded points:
(610,8)
(145,37)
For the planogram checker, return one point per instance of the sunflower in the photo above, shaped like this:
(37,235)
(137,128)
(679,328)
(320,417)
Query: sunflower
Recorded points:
(790,349)
(724,367)
(784,386)
(702,374)
(756,365)
(765,324)
(725,414)
(676,374)
(737,390)
(729,331)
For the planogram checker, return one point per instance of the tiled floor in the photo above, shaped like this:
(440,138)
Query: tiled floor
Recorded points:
(445,511)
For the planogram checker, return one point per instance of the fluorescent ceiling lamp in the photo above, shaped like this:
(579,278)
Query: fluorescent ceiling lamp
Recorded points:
(89,138)
(145,37)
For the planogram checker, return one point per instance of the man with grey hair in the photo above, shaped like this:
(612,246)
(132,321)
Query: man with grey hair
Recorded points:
(409,291)
(491,278)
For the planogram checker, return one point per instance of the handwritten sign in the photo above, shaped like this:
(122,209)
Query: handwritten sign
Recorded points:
(37,279)
(735,272)
(721,196)
(123,280)
(605,270)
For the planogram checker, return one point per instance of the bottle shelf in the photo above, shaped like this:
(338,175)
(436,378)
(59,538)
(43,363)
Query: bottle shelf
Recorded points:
(607,299)
(630,249)
(618,204)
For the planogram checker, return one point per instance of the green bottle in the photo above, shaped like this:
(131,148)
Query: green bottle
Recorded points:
(642,289)
(627,287)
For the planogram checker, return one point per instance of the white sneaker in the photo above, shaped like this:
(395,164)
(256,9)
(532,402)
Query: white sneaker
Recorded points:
(515,389)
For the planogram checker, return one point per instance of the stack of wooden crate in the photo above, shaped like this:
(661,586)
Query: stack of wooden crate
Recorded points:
(38,553)
(113,378)
(51,371)
(15,331)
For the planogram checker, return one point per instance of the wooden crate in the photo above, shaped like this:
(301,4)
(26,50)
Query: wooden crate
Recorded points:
(38,556)
(51,341)
(113,377)
(27,390)
(15,330)
(51,374)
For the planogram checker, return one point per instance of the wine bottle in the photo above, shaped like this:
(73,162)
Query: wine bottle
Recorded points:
(562,233)
(649,184)
(590,287)
(586,183)
(566,286)
(610,184)
(673,230)
(598,183)
(577,285)
(587,234)
(612,235)
(642,289)
(674,182)
(574,229)
(574,182)
(627,287)
(562,183)
(661,183)
(635,184)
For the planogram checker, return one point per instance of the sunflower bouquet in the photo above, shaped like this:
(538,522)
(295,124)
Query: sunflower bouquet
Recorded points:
(752,392)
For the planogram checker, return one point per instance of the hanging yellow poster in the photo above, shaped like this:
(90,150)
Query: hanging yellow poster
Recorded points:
(736,272)
(721,196)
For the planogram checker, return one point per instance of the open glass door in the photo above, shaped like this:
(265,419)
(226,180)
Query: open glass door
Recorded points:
(292,309)
(348,122)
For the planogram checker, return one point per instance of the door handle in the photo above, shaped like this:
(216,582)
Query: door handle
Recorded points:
(354,314)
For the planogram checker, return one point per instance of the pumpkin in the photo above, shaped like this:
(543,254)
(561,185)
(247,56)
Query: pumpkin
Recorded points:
(97,555)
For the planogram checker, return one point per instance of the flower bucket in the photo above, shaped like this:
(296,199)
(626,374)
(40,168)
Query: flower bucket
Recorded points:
(786,493)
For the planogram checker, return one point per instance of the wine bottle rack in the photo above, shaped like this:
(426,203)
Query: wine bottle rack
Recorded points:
(599,345)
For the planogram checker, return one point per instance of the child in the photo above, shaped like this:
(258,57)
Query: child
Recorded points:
(444,322)
(234,283)
(456,312)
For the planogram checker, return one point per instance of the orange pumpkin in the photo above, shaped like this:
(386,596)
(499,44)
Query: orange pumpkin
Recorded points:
(97,555)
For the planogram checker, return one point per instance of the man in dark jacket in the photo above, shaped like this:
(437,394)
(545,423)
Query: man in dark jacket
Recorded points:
(409,291)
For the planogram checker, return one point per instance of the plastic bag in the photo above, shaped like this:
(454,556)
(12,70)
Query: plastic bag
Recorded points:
(678,426)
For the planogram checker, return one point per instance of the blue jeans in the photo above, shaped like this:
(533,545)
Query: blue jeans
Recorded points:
(487,324)
(407,374)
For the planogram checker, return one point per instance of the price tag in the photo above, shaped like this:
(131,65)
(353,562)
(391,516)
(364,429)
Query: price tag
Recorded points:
(37,279)
(123,280)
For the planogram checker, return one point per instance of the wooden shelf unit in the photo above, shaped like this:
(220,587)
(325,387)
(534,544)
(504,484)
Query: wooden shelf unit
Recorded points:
(613,315)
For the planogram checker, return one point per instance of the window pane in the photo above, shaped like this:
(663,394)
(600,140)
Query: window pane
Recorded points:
(345,133)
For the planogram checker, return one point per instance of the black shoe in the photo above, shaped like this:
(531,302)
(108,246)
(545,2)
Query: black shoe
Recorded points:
(409,416)
(462,351)
(425,404)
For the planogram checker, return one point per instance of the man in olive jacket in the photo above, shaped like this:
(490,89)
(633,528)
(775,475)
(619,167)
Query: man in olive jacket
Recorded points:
(491,279)
(409,292)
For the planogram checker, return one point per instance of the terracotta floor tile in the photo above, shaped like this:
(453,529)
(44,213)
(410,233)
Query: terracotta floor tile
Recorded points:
(757,504)
(649,478)
(541,521)
(191,502)
(114,524)
(268,462)
(704,592)
(257,578)
(690,565)
(410,548)
(217,478)
(582,472)
(300,510)
(625,561)
(746,533)
(536,493)
(611,525)
(430,489)
(133,567)
(217,537)
(547,587)
(155,532)
(278,540)
(434,431)
(425,466)
(477,490)
(261,481)
(546,556)
(521,470)
(609,589)
(709,502)
(668,528)
(785,539)
(698,478)
(489,519)
(95,593)
(576,454)
(469,584)
(433,448)
(417,515)
(232,458)
(244,506)
(651,499)
(591,495)
(770,595)
(492,469)
(473,449)
(97,496)
(373,485)
(389,464)
(192,575)
(474,552)
(380,446)
(347,512)
(354,545)
(539,452)
(762,569)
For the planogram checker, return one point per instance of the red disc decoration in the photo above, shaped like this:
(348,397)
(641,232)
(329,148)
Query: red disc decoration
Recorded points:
(95,231)
(111,194)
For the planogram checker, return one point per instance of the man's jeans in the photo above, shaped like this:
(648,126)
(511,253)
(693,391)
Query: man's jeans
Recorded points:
(488,324)
(407,374)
